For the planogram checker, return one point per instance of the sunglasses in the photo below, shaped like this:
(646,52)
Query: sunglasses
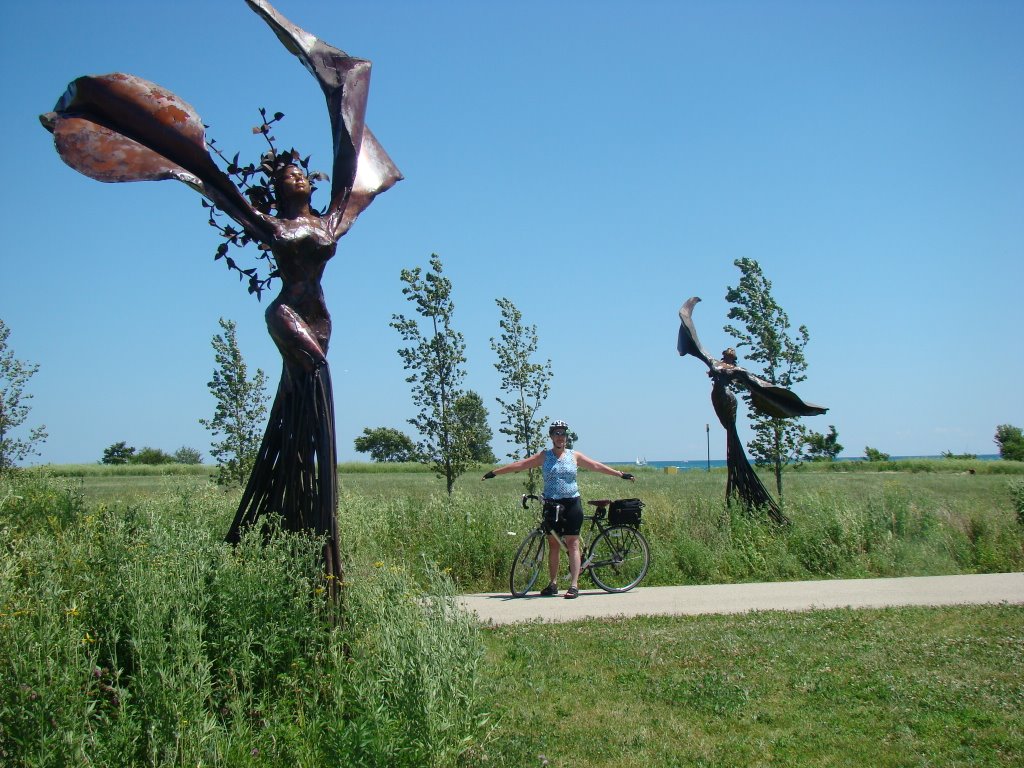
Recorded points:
(559,433)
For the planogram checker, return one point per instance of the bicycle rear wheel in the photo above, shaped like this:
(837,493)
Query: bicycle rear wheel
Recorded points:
(526,567)
(620,558)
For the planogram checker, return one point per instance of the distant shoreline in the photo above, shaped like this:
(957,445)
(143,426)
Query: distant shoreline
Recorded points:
(703,463)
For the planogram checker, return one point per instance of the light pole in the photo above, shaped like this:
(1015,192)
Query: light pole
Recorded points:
(707,430)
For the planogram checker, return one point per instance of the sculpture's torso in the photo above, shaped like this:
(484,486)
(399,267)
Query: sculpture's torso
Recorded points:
(723,401)
(302,248)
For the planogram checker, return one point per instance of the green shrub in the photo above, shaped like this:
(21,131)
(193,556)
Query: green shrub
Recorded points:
(150,455)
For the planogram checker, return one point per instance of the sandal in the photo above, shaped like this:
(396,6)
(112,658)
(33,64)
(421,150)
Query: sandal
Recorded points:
(572,593)
(550,590)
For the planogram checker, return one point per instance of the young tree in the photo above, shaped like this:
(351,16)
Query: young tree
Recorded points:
(241,408)
(1010,440)
(766,334)
(819,447)
(472,415)
(14,407)
(435,358)
(187,455)
(386,444)
(873,454)
(526,383)
(118,453)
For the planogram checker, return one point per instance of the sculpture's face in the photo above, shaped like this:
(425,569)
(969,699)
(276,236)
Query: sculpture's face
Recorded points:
(292,183)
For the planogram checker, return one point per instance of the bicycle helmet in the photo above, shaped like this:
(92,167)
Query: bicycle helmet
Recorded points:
(558,425)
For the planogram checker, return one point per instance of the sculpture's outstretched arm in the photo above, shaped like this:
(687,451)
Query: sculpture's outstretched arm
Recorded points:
(119,127)
(362,169)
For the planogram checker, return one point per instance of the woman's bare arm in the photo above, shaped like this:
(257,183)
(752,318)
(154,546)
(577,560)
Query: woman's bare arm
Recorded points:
(596,466)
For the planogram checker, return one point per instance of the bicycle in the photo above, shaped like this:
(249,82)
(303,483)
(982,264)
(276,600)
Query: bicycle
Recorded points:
(618,555)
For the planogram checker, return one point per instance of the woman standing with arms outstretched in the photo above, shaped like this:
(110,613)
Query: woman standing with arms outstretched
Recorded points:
(559,466)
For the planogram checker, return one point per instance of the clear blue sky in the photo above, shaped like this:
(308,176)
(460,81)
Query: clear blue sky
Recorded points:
(597,163)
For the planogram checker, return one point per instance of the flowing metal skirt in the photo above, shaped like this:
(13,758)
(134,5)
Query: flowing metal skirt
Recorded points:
(295,475)
(743,480)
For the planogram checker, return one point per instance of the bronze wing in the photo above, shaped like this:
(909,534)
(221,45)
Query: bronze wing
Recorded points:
(687,343)
(772,399)
(119,127)
(362,169)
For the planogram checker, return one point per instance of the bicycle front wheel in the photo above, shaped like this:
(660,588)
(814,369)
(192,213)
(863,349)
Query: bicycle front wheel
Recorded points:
(526,567)
(620,557)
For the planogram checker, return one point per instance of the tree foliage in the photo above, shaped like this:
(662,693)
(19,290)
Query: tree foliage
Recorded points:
(822,447)
(765,333)
(386,444)
(240,410)
(14,406)
(873,454)
(187,455)
(122,453)
(118,453)
(1010,440)
(526,385)
(435,356)
(472,416)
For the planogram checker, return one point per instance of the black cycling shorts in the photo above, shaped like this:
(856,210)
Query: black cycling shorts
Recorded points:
(570,518)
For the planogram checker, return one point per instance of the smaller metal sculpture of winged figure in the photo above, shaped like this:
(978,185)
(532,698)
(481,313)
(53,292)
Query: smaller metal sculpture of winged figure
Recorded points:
(766,397)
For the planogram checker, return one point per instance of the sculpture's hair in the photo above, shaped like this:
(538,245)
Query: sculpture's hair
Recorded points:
(258,183)
(277,162)
(729,353)
(263,194)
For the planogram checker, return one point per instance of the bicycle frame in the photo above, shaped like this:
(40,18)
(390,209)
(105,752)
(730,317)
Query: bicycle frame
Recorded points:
(585,540)
(616,555)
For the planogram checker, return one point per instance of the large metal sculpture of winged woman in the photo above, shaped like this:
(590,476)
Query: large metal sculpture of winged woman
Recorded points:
(766,397)
(119,127)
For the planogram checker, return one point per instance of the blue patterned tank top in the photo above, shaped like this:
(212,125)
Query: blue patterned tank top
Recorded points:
(560,475)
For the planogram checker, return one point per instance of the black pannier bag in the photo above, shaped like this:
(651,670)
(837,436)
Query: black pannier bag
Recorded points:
(625,512)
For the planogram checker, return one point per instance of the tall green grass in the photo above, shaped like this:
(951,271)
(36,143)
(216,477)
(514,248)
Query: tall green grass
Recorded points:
(844,526)
(132,635)
(941,466)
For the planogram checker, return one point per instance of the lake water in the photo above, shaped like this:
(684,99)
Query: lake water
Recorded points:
(703,463)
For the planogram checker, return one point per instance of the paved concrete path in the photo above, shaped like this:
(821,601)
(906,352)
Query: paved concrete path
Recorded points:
(740,598)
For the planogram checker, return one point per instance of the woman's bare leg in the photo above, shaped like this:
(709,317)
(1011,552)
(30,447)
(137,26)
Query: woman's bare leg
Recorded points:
(572,546)
(554,552)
